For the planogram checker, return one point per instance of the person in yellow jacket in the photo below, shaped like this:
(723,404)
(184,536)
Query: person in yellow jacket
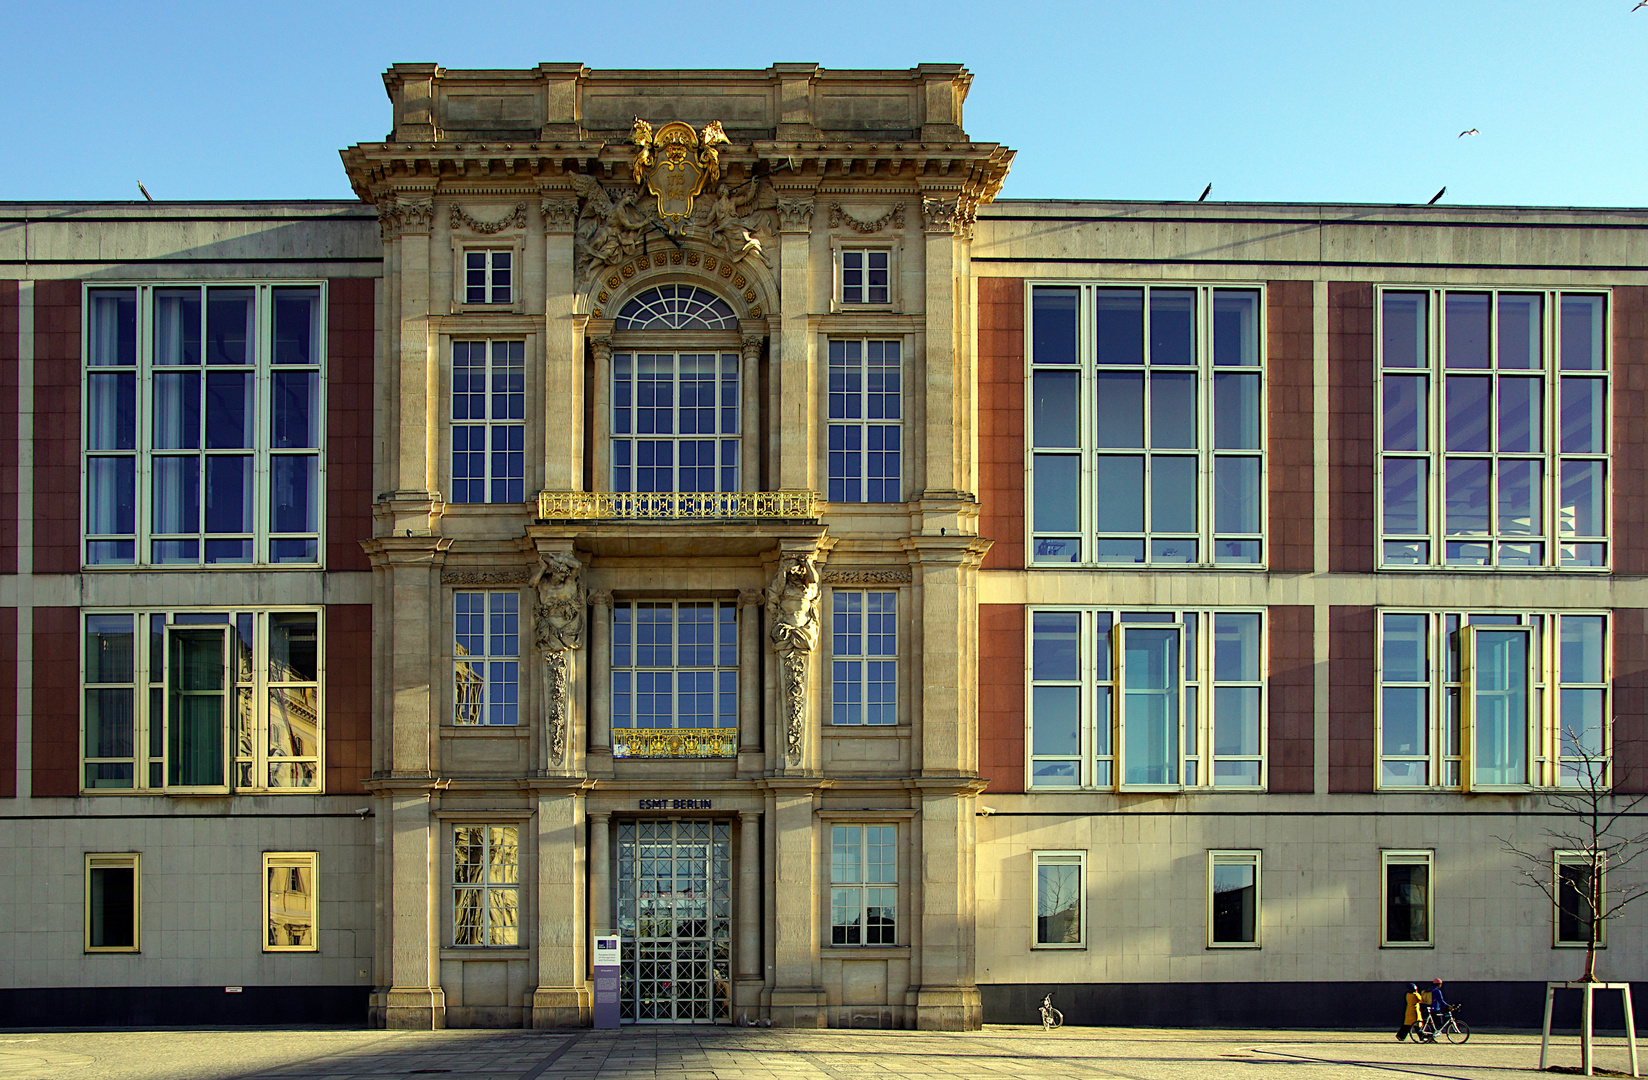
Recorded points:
(1418,1003)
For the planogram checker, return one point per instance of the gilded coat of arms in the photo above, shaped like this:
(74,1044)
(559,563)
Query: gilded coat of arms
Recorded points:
(676,164)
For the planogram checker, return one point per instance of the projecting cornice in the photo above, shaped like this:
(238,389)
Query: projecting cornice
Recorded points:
(973,172)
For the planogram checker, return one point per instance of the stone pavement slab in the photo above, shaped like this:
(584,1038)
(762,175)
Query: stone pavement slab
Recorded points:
(701,1053)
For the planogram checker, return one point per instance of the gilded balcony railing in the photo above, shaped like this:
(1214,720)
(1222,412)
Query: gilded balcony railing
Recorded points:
(669,505)
(674,742)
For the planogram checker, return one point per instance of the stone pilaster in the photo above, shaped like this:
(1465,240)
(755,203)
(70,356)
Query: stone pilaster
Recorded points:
(562,997)
(747,990)
(797,998)
(793,355)
(599,754)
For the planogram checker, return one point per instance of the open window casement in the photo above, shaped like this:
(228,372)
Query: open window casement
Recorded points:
(197,710)
(1496,714)
(1150,710)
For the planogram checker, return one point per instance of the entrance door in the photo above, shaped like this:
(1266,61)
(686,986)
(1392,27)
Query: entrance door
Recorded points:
(675,915)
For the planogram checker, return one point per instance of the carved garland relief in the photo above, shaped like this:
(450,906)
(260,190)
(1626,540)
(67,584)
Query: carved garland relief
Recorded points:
(515,219)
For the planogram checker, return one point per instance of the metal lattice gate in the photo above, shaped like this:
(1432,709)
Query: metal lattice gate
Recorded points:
(675,915)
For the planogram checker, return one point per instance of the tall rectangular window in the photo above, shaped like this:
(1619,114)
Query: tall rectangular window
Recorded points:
(1146,420)
(675,669)
(864,657)
(866,412)
(865,276)
(1493,700)
(1061,890)
(488,421)
(863,885)
(1146,699)
(289,901)
(113,903)
(675,422)
(203,417)
(486,885)
(486,658)
(1581,893)
(1405,921)
(202,701)
(1493,429)
(488,276)
(1233,899)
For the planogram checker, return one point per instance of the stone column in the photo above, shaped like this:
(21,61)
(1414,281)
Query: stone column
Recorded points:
(749,445)
(794,423)
(601,474)
(944,428)
(600,684)
(747,995)
(749,680)
(601,918)
(563,348)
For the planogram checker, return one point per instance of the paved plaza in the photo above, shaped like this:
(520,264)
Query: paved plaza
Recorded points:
(997,1053)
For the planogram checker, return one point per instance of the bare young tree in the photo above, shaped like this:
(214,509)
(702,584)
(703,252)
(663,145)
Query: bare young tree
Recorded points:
(1605,836)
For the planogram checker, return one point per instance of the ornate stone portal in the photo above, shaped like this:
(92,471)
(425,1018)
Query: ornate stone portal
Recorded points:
(792,600)
(558,628)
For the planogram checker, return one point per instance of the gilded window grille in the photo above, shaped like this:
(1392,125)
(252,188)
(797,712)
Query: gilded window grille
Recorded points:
(674,742)
(672,505)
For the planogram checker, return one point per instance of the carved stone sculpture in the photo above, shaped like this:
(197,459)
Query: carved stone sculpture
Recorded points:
(732,227)
(609,226)
(792,606)
(558,628)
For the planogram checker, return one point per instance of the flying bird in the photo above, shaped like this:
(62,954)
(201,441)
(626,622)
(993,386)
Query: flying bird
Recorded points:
(1473,131)
(1203,196)
(1437,196)
(145,191)
(1641,4)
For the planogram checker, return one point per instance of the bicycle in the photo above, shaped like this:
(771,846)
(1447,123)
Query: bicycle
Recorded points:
(1050,1017)
(1450,1026)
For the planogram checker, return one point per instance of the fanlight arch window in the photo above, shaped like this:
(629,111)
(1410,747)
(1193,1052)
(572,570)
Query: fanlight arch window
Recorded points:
(676,307)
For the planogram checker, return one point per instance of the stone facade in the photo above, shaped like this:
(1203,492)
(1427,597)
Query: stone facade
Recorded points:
(678,572)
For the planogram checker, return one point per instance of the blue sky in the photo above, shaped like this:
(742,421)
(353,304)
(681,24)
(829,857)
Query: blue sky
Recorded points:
(1296,101)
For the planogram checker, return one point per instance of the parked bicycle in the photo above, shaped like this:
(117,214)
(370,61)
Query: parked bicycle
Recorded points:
(1050,1017)
(1447,1025)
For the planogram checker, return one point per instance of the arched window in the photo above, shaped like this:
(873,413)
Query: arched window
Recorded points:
(677,307)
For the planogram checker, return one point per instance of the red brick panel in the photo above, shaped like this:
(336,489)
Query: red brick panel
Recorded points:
(1292,730)
(55,732)
(1631,700)
(1001,419)
(1351,690)
(1350,427)
(8,703)
(9,404)
(57,427)
(1290,366)
(348,697)
(1631,429)
(1001,696)
(350,324)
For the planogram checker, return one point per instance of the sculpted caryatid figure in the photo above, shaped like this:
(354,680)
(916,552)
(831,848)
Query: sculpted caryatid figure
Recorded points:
(558,627)
(559,620)
(792,605)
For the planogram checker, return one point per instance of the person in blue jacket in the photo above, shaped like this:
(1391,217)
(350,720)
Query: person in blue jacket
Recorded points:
(1439,1005)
